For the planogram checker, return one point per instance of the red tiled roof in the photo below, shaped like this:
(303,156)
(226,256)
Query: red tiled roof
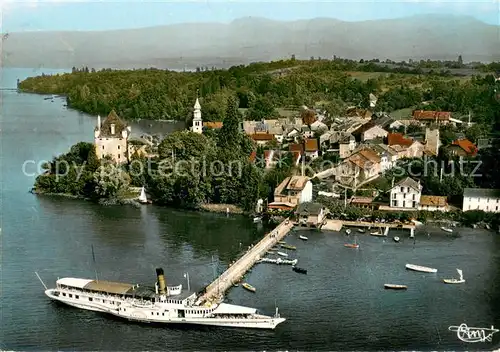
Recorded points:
(216,124)
(296,147)
(431,115)
(466,145)
(398,139)
(262,136)
(311,145)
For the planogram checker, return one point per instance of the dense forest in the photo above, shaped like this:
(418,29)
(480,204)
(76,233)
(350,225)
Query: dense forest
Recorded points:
(261,88)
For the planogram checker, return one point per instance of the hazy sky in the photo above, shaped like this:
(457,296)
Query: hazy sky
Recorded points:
(29,15)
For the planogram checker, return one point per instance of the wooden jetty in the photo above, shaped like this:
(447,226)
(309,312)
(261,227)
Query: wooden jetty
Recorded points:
(336,225)
(216,289)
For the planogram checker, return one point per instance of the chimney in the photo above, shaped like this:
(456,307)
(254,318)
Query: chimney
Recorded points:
(99,122)
(161,281)
(112,128)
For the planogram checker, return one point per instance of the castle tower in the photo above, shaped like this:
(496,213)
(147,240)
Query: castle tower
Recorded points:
(197,121)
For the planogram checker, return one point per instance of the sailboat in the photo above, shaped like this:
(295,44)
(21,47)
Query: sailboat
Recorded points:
(352,245)
(142,198)
(456,281)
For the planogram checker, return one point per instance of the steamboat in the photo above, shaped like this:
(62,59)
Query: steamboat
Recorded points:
(161,304)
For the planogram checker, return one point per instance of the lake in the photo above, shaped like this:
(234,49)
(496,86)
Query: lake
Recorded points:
(339,305)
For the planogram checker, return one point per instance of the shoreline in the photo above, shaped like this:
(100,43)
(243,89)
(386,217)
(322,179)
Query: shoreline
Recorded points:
(209,208)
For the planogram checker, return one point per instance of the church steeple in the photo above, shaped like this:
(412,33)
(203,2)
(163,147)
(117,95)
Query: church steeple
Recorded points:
(197,121)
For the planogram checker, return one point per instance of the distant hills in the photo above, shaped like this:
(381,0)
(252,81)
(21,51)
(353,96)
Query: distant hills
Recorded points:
(437,37)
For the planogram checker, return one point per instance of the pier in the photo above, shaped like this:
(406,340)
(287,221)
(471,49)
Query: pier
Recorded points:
(236,271)
(336,225)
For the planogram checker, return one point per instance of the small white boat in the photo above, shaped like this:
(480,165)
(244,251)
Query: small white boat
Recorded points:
(257,219)
(416,222)
(423,269)
(396,239)
(378,234)
(348,231)
(395,287)
(143,198)
(456,281)
(303,238)
(447,229)
(361,231)
(282,254)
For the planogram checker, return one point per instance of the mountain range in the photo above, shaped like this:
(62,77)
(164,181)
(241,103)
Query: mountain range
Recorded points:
(245,40)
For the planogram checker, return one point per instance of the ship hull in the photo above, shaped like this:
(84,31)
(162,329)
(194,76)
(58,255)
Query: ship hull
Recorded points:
(136,315)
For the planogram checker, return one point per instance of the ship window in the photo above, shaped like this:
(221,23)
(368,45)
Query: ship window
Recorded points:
(163,314)
(157,313)
(64,294)
(70,295)
(152,313)
(77,297)
(90,299)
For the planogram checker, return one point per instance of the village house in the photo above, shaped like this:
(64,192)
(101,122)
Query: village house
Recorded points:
(369,131)
(388,156)
(481,199)
(347,144)
(297,149)
(363,202)
(111,138)
(433,203)
(432,141)
(262,138)
(406,194)
(311,148)
(361,166)
(431,117)
(406,147)
(462,147)
(293,190)
(319,127)
(386,122)
(311,214)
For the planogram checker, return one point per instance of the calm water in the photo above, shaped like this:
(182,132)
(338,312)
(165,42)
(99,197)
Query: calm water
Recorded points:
(339,305)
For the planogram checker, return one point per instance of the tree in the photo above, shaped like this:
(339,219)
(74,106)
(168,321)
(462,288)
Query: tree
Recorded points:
(110,180)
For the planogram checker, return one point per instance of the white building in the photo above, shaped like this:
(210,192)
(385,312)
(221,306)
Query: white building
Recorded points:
(111,138)
(481,199)
(406,194)
(197,121)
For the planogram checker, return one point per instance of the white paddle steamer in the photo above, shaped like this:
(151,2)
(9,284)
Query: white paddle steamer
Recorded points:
(161,304)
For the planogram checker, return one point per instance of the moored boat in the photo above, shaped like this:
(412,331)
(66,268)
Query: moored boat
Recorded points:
(281,242)
(299,270)
(143,199)
(447,229)
(159,304)
(287,246)
(460,280)
(257,219)
(396,239)
(420,268)
(303,237)
(395,287)
(282,254)
(248,287)
(352,245)
(361,231)
(348,232)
